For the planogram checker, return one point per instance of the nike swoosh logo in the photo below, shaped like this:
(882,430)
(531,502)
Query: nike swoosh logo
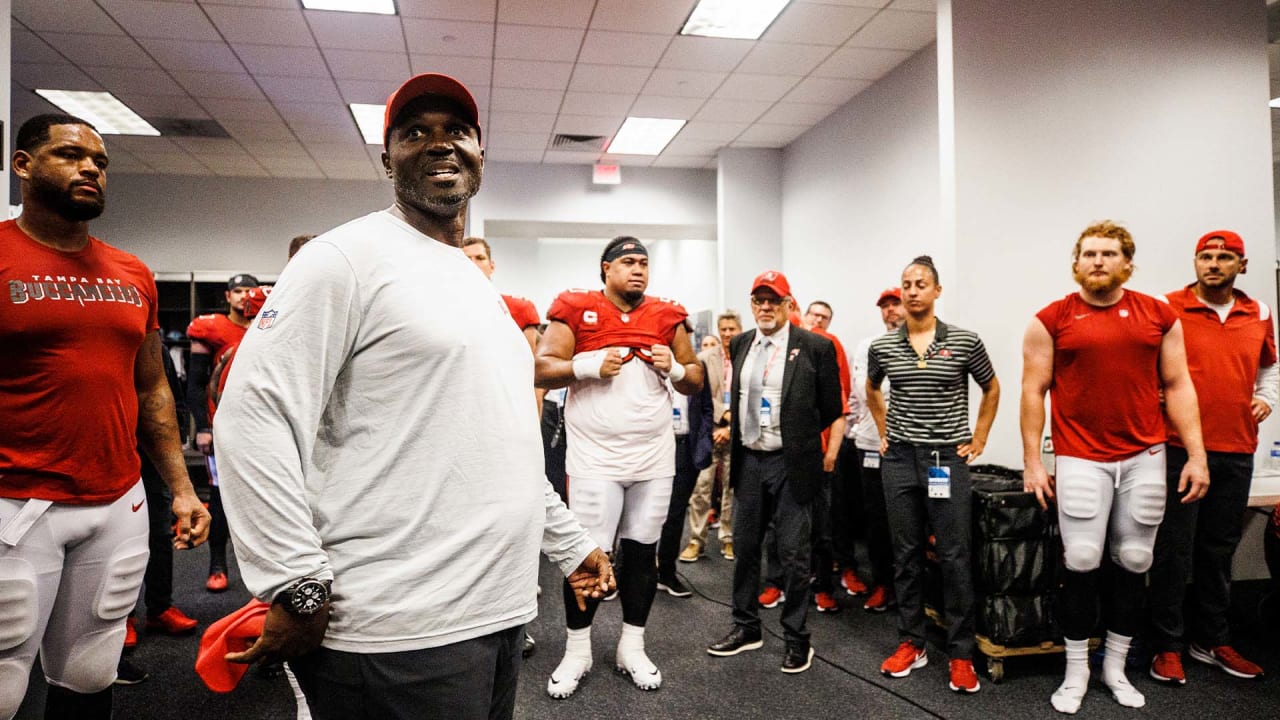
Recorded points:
(140,502)
(1153,451)
(1081,317)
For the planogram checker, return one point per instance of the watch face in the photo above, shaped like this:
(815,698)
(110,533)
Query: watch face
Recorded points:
(308,597)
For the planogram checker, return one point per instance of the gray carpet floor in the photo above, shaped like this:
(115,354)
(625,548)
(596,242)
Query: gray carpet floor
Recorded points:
(843,682)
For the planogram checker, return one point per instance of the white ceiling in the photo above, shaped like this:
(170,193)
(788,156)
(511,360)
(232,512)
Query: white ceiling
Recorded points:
(278,77)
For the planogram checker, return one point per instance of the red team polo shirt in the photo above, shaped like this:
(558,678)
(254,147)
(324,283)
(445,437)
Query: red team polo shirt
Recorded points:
(1106,378)
(1224,359)
(522,312)
(215,330)
(71,324)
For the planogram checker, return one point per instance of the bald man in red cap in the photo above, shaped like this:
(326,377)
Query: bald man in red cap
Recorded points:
(1231,354)
(785,392)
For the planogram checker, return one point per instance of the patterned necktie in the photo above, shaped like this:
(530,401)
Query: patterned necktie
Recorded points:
(755,391)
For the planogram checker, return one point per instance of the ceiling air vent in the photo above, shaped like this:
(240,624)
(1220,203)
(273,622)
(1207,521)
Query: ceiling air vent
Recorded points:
(183,127)
(589,143)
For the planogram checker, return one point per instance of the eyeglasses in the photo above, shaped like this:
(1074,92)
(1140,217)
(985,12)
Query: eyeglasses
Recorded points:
(759,301)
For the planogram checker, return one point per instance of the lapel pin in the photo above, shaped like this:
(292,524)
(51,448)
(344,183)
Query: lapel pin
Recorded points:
(794,353)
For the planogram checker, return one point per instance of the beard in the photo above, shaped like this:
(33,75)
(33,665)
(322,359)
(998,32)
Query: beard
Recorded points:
(632,296)
(1102,285)
(414,191)
(66,206)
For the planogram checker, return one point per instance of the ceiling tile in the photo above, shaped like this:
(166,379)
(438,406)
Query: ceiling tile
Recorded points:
(477,10)
(771,135)
(606,47)
(204,147)
(243,110)
(293,168)
(861,63)
(141,144)
(326,132)
(349,171)
(742,86)
(176,164)
(796,114)
(314,113)
(783,58)
(527,42)
(234,167)
(898,30)
(264,26)
(557,13)
(174,21)
(448,37)
(275,149)
(63,76)
(682,146)
(254,3)
(296,89)
(470,71)
(196,56)
(259,130)
(929,6)
(826,91)
(597,103)
(532,74)
(512,122)
(283,61)
(587,125)
(355,31)
(669,160)
(518,141)
(683,83)
(681,108)
(717,131)
(817,24)
(78,16)
(608,78)
(29,48)
(654,16)
(514,156)
(101,50)
(521,100)
(365,65)
(219,85)
(628,160)
(167,106)
(721,110)
(124,163)
(135,80)
(371,92)
(337,152)
(570,157)
(703,53)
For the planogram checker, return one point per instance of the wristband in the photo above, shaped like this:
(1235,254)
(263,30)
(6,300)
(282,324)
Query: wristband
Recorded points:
(587,365)
(677,372)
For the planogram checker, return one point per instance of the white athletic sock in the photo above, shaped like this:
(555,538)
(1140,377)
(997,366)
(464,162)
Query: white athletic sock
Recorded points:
(631,659)
(1113,672)
(575,664)
(1069,695)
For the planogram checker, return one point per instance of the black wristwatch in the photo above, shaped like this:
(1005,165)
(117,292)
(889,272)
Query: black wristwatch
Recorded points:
(305,597)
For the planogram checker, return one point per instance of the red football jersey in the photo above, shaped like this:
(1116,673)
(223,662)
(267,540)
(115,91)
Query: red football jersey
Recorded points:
(71,325)
(215,330)
(522,311)
(1106,377)
(597,323)
(254,300)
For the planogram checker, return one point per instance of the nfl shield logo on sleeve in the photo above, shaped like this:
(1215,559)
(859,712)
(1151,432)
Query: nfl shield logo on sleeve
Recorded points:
(267,319)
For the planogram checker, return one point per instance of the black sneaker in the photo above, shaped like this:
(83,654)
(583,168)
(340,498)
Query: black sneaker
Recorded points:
(129,674)
(798,658)
(529,646)
(673,587)
(740,640)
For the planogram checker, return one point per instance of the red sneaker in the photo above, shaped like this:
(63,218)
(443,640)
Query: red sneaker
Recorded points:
(130,633)
(825,603)
(217,581)
(1225,657)
(906,658)
(771,597)
(851,584)
(173,621)
(881,600)
(1167,667)
(963,678)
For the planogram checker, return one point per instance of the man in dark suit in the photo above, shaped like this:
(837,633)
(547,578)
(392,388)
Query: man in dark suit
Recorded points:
(785,392)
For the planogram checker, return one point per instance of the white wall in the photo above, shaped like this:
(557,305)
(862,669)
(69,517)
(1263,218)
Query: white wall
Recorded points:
(749,211)
(1094,109)
(860,197)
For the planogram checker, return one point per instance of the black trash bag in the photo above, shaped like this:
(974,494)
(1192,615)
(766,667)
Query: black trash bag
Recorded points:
(1005,514)
(1012,566)
(1017,620)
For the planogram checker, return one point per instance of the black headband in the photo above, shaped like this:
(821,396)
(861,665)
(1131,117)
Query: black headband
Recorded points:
(617,249)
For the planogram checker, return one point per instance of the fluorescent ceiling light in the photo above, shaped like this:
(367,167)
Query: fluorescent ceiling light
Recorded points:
(369,118)
(1275,102)
(103,110)
(378,7)
(744,19)
(643,136)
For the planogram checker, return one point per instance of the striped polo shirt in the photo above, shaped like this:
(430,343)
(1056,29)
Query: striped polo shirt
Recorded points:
(930,404)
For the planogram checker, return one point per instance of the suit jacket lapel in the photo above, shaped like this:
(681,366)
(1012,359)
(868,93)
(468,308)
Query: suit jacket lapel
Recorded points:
(793,344)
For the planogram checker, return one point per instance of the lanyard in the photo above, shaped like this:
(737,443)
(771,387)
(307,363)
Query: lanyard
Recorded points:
(769,364)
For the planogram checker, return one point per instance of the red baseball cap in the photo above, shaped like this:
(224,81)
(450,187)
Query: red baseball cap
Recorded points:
(429,84)
(892,292)
(773,280)
(233,633)
(1221,240)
